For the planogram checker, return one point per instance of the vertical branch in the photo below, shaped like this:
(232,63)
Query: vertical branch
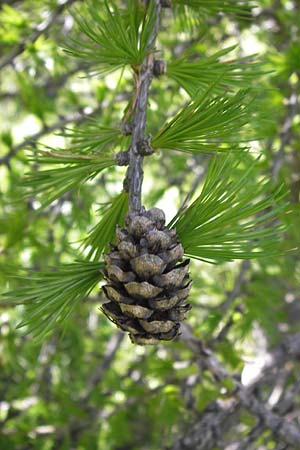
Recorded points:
(143,80)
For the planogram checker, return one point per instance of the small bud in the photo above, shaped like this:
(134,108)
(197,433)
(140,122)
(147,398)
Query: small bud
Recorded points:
(166,3)
(159,67)
(144,147)
(127,128)
(122,158)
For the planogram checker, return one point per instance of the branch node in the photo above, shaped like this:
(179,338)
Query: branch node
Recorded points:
(127,128)
(126,183)
(144,147)
(122,158)
(166,3)
(159,67)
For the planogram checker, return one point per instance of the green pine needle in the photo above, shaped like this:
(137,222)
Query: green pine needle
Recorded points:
(195,75)
(114,38)
(240,8)
(104,232)
(74,169)
(94,138)
(209,123)
(50,297)
(234,217)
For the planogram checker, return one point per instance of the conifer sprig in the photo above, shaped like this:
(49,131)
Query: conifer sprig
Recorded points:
(234,217)
(93,138)
(208,123)
(50,297)
(73,170)
(114,38)
(104,232)
(194,75)
(241,8)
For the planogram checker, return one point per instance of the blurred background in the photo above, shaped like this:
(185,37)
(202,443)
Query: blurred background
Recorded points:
(86,387)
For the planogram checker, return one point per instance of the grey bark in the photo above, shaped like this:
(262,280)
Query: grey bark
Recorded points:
(205,432)
(143,80)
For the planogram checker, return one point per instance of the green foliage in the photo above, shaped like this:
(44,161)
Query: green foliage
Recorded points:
(234,217)
(237,7)
(104,232)
(208,123)
(12,24)
(80,388)
(93,138)
(74,169)
(194,75)
(50,297)
(114,38)
(287,62)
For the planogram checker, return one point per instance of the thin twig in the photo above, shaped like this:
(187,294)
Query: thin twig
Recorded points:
(50,85)
(287,431)
(285,135)
(77,118)
(41,29)
(143,80)
(110,353)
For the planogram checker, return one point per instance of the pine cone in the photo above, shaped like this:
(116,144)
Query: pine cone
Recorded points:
(147,283)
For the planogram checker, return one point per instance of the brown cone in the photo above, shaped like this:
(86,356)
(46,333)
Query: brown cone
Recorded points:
(147,279)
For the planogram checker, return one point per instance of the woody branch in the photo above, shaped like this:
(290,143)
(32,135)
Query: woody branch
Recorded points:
(134,177)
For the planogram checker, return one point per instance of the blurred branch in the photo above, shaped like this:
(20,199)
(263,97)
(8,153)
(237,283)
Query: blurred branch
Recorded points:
(40,29)
(237,288)
(108,357)
(50,86)
(134,175)
(8,2)
(225,306)
(283,405)
(203,435)
(77,118)
(285,134)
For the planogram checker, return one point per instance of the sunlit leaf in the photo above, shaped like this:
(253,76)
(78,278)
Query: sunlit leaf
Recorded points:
(93,138)
(104,232)
(50,297)
(209,123)
(239,8)
(73,169)
(195,74)
(114,37)
(233,217)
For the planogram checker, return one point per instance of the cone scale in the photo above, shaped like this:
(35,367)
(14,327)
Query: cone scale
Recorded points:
(147,279)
